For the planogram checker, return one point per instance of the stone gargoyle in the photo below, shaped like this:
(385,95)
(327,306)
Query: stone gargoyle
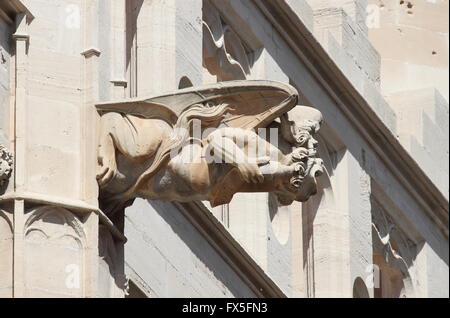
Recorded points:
(205,143)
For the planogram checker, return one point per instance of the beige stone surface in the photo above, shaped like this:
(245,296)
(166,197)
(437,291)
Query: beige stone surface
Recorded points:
(412,39)
(76,74)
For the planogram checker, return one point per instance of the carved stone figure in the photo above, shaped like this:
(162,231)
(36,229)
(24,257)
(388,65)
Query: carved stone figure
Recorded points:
(6,165)
(202,144)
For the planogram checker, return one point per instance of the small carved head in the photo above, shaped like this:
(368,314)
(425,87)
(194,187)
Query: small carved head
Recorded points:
(307,167)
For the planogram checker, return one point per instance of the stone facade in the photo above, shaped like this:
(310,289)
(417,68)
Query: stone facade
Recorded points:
(91,92)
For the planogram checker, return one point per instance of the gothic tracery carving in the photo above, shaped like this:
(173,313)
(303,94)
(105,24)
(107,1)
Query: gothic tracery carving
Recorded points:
(44,221)
(224,52)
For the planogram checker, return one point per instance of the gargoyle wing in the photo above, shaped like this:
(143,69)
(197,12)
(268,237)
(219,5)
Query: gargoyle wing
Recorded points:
(252,104)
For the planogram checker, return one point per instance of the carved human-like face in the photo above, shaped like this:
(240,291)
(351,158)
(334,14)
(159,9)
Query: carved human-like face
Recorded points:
(309,184)
(304,136)
(303,158)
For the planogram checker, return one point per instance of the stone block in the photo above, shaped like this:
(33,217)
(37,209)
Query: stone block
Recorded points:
(351,38)
(356,10)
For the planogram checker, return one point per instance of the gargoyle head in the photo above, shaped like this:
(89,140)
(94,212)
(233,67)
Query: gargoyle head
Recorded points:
(303,184)
(307,167)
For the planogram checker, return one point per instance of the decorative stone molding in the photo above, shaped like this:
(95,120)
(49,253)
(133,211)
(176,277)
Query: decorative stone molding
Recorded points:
(6,165)
(57,235)
(224,52)
(7,217)
(6,254)
(387,231)
(45,219)
(389,241)
(199,144)
(383,244)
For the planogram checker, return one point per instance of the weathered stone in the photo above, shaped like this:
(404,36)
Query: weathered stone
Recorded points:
(127,75)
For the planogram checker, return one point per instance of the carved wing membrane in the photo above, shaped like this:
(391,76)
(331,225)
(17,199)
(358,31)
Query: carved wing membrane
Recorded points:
(253,104)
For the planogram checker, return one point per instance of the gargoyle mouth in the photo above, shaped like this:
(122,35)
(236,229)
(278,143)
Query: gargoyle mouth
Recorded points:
(308,185)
